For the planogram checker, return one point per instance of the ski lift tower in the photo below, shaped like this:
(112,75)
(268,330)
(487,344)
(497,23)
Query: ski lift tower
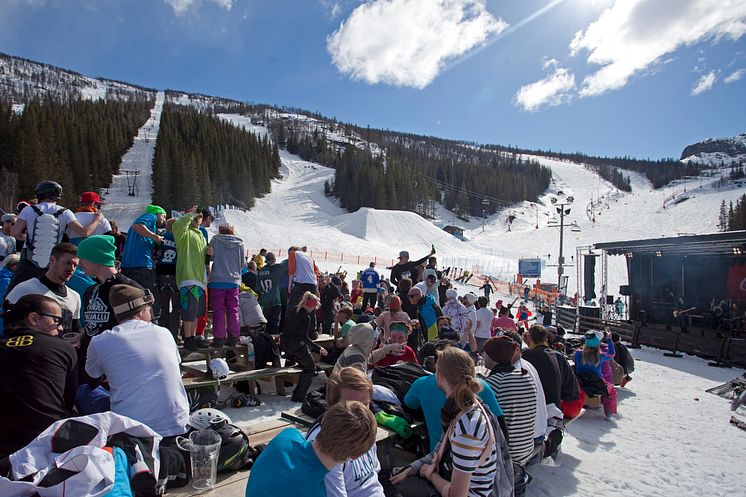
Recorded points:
(131,181)
(563,209)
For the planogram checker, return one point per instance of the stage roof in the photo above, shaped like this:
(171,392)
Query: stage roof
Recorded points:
(727,243)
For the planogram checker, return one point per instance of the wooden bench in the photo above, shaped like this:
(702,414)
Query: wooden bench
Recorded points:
(239,361)
(279,373)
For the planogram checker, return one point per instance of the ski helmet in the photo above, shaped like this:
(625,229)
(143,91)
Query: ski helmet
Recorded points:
(48,189)
(219,368)
(203,419)
(234,448)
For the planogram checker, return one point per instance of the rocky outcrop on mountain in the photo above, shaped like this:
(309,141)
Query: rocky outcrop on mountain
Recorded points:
(717,151)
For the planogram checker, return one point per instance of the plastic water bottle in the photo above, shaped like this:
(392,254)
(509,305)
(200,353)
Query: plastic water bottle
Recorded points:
(250,355)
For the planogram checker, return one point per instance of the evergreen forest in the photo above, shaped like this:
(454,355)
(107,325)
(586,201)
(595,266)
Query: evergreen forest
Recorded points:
(733,218)
(203,160)
(78,143)
(413,172)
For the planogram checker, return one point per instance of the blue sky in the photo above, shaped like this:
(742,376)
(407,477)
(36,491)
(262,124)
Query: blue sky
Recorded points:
(608,77)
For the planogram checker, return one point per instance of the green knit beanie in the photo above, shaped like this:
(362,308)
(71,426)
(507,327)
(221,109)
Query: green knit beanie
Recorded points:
(154,209)
(99,249)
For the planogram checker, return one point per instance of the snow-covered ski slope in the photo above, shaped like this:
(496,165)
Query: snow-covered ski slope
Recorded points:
(120,206)
(298,212)
(618,216)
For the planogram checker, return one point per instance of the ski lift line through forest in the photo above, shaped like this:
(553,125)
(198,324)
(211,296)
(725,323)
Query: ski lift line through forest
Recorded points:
(459,189)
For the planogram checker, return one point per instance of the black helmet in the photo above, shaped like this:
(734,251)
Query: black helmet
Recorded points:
(234,448)
(48,189)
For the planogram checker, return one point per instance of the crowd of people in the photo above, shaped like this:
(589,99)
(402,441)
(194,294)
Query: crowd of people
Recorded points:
(93,319)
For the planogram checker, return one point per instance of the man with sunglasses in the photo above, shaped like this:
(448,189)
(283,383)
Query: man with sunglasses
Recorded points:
(39,371)
(428,312)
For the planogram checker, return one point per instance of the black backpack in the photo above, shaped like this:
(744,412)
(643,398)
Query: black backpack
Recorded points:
(398,378)
(314,404)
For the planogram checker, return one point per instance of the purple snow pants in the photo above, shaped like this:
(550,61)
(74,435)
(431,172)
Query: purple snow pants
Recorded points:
(224,305)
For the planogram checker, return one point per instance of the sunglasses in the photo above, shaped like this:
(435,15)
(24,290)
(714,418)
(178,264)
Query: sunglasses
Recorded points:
(55,319)
(412,296)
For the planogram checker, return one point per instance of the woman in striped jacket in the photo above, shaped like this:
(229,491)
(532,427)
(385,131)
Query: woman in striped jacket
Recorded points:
(471,459)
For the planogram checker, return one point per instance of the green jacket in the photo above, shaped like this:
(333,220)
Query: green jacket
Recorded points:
(190,245)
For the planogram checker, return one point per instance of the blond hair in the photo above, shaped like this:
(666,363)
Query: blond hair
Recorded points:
(306,297)
(591,355)
(348,430)
(457,369)
(348,377)
(226,229)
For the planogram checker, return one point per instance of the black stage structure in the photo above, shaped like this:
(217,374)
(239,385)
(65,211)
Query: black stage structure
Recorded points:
(685,293)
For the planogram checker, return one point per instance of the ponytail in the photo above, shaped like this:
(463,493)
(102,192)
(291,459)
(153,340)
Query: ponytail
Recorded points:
(456,367)
(14,315)
(464,393)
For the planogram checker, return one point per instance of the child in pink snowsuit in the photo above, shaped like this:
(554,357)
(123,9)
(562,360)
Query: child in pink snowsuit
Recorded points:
(608,375)
(602,369)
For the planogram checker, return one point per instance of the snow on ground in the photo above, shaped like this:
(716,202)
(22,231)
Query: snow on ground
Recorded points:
(120,206)
(244,122)
(673,438)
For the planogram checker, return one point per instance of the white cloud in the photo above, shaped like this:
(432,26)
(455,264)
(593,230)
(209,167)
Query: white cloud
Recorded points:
(705,83)
(553,90)
(181,6)
(735,76)
(631,36)
(407,42)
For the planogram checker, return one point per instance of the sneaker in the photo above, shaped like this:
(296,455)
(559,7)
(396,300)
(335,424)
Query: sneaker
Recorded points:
(218,342)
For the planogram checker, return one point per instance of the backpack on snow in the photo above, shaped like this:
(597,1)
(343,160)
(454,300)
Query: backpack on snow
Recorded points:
(314,404)
(48,232)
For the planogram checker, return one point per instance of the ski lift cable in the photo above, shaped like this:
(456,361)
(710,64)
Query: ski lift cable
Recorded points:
(459,189)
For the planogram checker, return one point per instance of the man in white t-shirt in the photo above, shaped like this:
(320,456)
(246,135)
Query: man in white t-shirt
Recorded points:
(141,363)
(428,286)
(302,275)
(62,264)
(35,254)
(90,204)
(484,322)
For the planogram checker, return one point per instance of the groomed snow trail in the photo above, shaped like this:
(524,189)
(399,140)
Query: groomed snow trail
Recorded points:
(120,206)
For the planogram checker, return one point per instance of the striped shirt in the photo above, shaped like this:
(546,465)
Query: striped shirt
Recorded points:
(516,393)
(468,441)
